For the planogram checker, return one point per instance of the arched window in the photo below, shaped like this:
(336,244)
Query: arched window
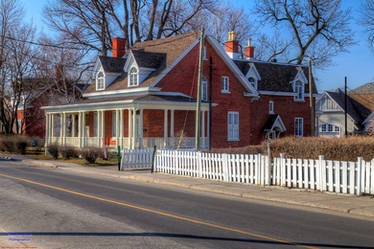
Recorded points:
(100,81)
(133,80)
(253,82)
(299,90)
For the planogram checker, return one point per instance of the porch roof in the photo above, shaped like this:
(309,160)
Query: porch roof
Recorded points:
(147,101)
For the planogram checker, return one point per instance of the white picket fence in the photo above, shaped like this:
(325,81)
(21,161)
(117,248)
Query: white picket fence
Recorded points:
(225,167)
(324,175)
(140,159)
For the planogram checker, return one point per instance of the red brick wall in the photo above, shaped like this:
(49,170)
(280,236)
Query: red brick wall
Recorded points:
(252,113)
(153,123)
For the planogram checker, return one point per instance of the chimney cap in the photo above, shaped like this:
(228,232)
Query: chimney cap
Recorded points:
(232,36)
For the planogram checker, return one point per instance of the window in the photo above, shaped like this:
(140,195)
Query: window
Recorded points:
(324,128)
(95,124)
(225,84)
(253,82)
(329,127)
(133,79)
(337,128)
(100,81)
(299,90)
(114,125)
(271,107)
(299,127)
(233,126)
(204,90)
(204,53)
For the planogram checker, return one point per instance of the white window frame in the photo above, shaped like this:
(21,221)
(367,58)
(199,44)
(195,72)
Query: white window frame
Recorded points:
(299,91)
(131,76)
(114,124)
(299,129)
(271,107)
(254,83)
(233,128)
(100,77)
(225,84)
(204,53)
(204,90)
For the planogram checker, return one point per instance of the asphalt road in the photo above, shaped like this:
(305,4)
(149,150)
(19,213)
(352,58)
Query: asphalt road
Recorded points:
(50,208)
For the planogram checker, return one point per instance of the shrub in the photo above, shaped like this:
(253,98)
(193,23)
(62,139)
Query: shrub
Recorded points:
(68,152)
(20,144)
(90,154)
(53,150)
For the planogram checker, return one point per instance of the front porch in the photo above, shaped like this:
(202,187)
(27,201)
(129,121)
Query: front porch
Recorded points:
(131,126)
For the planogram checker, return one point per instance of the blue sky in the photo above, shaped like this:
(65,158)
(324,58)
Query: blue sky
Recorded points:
(357,64)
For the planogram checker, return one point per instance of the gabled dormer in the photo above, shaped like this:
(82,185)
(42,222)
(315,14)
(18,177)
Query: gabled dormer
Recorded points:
(107,69)
(140,65)
(298,85)
(253,76)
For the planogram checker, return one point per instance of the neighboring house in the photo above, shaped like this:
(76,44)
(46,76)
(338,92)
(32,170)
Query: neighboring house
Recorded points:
(147,96)
(365,95)
(331,115)
(30,117)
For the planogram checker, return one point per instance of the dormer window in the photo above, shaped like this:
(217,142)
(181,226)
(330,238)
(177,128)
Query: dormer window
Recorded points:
(133,77)
(100,81)
(253,82)
(299,90)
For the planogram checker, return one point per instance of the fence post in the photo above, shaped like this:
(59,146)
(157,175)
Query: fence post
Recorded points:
(153,158)
(225,164)
(322,173)
(199,163)
(283,170)
(360,176)
(268,170)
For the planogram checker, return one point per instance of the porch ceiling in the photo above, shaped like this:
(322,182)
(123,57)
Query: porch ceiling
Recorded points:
(139,102)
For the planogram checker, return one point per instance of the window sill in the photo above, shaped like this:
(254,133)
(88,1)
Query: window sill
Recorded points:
(233,140)
(299,100)
(225,92)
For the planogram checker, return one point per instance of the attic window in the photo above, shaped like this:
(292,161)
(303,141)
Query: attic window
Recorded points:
(253,82)
(100,81)
(299,90)
(133,77)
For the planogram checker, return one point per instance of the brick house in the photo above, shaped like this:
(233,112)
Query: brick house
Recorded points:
(147,96)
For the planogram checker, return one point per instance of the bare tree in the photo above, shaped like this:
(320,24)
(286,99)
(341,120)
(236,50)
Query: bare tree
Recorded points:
(92,23)
(317,24)
(367,19)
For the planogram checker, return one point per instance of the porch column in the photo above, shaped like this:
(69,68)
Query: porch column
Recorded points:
(165,128)
(98,132)
(141,129)
(172,128)
(80,129)
(52,125)
(73,125)
(47,127)
(117,127)
(121,127)
(130,127)
(102,128)
(134,128)
(203,127)
(83,129)
(63,126)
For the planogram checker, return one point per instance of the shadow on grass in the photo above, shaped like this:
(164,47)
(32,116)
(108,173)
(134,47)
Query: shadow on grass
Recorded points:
(183,236)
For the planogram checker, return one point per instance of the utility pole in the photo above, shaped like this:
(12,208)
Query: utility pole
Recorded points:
(210,101)
(345,106)
(311,99)
(198,100)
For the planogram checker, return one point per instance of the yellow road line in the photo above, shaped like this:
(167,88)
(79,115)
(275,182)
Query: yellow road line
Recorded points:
(162,213)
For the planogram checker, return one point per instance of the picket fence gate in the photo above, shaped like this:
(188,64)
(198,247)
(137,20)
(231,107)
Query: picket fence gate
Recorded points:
(324,175)
(140,159)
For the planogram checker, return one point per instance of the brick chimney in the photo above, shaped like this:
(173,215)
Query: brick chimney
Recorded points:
(249,50)
(118,47)
(232,46)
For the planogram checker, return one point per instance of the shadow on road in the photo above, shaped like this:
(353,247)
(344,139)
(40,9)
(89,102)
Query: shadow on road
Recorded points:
(182,236)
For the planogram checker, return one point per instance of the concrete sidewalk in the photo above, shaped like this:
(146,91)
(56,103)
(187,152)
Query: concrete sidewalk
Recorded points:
(362,206)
